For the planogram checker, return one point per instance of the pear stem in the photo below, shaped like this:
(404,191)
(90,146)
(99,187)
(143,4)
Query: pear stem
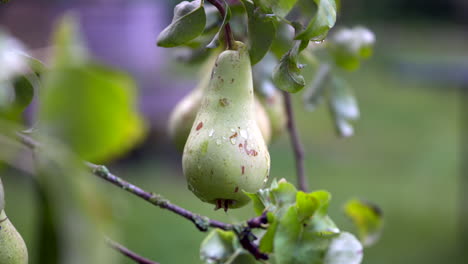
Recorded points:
(203,223)
(128,253)
(227,28)
(296,143)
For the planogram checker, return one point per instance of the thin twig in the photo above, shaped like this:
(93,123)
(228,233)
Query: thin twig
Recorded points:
(201,222)
(296,143)
(127,252)
(227,28)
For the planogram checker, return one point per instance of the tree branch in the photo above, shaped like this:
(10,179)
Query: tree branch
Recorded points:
(296,144)
(201,222)
(127,252)
(227,28)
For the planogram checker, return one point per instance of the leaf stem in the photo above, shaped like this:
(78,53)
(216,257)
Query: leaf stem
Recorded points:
(296,143)
(127,252)
(227,28)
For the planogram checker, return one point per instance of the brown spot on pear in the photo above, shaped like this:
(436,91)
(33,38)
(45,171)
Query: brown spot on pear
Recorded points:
(223,157)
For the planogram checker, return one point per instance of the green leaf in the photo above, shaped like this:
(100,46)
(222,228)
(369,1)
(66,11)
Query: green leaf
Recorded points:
(69,46)
(321,23)
(343,106)
(74,194)
(258,205)
(267,241)
(92,109)
(286,75)
(367,218)
(294,244)
(278,7)
(89,107)
(16,96)
(344,249)
(314,94)
(24,92)
(227,16)
(261,30)
(321,224)
(350,46)
(218,246)
(284,194)
(306,204)
(188,23)
(221,246)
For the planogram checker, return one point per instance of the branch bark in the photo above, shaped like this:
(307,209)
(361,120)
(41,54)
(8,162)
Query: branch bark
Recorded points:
(128,253)
(296,144)
(201,222)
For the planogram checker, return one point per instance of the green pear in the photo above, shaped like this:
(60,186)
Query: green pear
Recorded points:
(184,113)
(2,197)
(12,247)
(263,121)
(225,153)
(273,104)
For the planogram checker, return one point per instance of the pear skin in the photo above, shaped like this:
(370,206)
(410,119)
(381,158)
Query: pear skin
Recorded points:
(183,116)
(12,247)
(276,112)
(225,153)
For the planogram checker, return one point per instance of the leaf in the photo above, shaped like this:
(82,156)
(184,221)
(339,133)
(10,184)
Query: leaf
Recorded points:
(278,7)
(92,109)
(313,95)
(74,194)
(321,224)
(16,96)
(284,194)
(217,247)
(11,61)
(221,246)
(286,75)
(24,92)
(188,23)
(343,106)
(227,16)
(321,23)
(267,241)
(89,107)
(350,46)
(367,218)
(69,46)
(306,204)
(261,30)
(294,244)
(344,249)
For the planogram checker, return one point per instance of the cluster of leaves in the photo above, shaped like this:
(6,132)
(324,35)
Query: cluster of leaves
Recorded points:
(284,29)
(299,230)
(84,111)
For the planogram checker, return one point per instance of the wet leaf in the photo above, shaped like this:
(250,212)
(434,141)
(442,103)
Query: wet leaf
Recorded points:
(287,74)
(188,23)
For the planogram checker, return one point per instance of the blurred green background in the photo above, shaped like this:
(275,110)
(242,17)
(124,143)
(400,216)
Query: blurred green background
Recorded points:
(404,155)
